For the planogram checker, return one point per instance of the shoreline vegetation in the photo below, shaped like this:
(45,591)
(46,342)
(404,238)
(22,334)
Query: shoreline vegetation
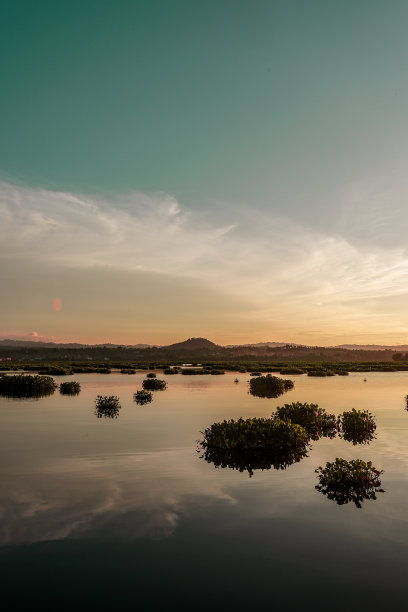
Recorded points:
(257,368)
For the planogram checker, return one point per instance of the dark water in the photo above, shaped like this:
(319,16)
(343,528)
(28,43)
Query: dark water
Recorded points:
(123,514)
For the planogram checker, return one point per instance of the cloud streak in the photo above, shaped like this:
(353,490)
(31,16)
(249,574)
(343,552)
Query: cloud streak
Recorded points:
(281,270)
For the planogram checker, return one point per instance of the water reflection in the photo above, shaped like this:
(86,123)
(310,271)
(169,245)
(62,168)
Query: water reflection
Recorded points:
(248,461)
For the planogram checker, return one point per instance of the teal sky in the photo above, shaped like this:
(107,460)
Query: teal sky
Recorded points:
(293,111)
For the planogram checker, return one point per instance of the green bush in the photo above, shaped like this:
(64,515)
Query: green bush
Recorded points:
(107,406)
(55,371)
(70,388)
(269,386)
(128,371)
(151,375)
(154,384)
(27,385)
(291,371)
(171,371)
(349,481)
(314,419)
(217,372)
(357,426)
(143,397)
(249,444)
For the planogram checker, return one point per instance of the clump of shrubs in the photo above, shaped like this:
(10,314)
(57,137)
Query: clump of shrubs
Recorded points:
(107,406)
(257,443)
(171,371)
(55,371)
(216,372)
(314,419)
(357,426)
(151,375)
(291,371)
(349,481)
(128,371)
(269,386)
(27,385)
(70,388)
(143,397)
(154,384)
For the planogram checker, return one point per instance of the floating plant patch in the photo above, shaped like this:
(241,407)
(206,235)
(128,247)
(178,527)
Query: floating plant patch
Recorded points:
(70,388)
(269,386)
(27,385)
(143,397)
(251,444)
(154,384)
(349,481)
(107,406)
(357,426)
(314,419)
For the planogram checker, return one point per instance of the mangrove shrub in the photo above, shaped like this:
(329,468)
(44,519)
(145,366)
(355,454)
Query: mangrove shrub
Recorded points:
(154,384)
(314,419)
(349,481)
(269,386)
(27,385)
(70,388)
(107,406)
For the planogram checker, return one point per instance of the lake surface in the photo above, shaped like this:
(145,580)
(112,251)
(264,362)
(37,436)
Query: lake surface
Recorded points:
(123,513)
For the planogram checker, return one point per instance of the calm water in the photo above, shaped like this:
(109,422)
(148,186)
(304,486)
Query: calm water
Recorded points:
(121,514)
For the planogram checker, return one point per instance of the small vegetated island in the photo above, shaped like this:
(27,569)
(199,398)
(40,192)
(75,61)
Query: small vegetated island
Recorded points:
(142,397)
(107,406)
(349,481)
(154,384)
(252,444)
(269,386)
(70,388)
(314,419)
(27,385)
(357,426)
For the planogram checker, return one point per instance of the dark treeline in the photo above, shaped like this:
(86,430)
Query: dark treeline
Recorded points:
(202,355)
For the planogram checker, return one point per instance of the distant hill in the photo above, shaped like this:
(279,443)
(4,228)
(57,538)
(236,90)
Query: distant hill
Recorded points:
(373,347)
(194,344)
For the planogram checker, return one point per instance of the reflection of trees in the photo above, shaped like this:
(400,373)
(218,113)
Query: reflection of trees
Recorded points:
(349,481)
(26,385)
(269,386)
(255,459)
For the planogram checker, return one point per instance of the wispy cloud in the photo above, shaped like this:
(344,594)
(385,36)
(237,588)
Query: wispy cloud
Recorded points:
(285,271)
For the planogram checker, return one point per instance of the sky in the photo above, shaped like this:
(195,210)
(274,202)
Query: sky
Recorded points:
(228,169)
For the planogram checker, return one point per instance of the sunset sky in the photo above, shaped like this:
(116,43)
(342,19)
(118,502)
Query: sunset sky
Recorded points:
(229,169)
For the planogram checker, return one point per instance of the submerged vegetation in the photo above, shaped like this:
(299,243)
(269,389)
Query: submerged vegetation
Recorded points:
(26,385)
(269,386)
(70,388)
(314,419)
(357,426)
(154,384)
(250,444)
(143,397)
(349,481)
(107,406)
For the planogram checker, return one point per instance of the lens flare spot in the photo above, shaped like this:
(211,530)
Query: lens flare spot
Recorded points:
(56,304)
